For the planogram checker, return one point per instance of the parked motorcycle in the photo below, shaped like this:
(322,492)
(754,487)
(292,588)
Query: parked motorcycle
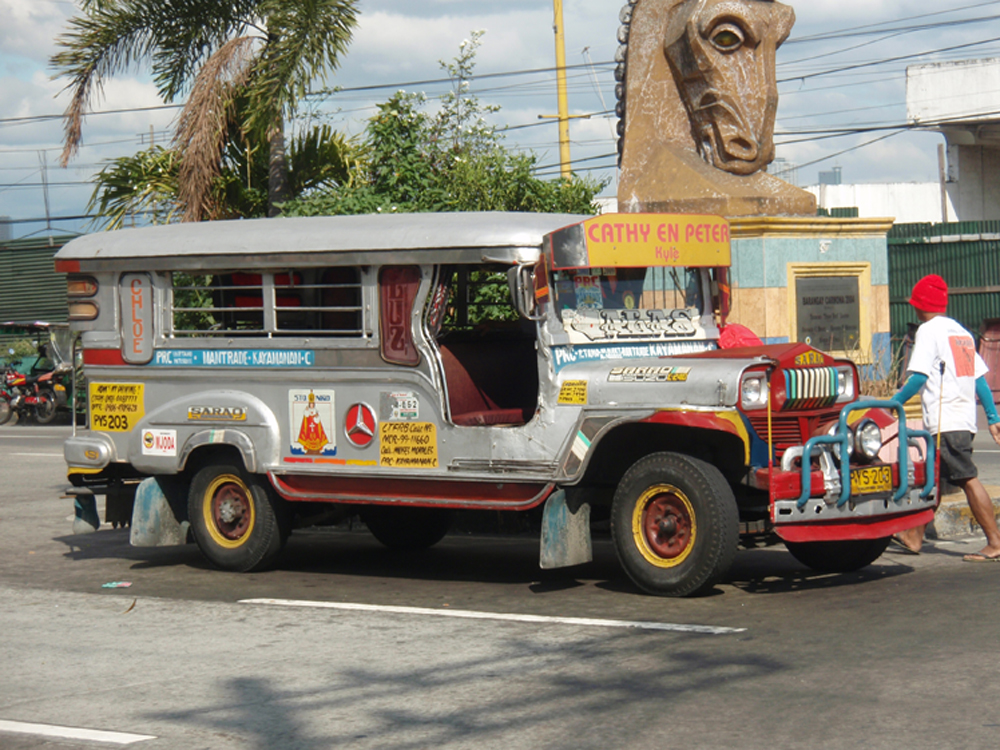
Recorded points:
(28,388)
(33,395)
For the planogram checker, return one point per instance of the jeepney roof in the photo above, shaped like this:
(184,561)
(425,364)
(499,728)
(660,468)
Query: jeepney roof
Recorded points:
(355,236)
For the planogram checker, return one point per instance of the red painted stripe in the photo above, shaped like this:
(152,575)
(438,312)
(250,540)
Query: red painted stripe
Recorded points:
(414,492)
(67,266)
(106,357)
(876,528)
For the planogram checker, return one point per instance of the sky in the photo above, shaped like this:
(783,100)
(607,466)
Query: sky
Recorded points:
(842,98)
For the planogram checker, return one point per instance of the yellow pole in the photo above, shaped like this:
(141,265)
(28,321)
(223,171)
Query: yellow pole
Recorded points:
(564,160)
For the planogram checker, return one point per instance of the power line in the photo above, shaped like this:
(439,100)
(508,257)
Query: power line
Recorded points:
(853,31)
(887,60)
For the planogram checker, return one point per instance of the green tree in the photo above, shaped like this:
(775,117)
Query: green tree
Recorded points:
(246,64)
(453,160)
(146,183)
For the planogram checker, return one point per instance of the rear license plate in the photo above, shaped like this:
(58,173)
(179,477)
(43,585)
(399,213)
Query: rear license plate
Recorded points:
(871,479)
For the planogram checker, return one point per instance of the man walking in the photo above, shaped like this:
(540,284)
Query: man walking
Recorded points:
(949,374)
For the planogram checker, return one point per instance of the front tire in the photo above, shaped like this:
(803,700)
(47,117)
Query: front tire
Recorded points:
(45,409)
(5,411)
(838,557)
(403,528)
(239,522)
(675,524)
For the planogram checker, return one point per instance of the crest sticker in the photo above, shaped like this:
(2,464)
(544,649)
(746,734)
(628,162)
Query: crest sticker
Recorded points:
(312,424)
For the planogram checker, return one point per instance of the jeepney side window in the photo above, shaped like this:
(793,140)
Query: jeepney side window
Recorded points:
(473,296)
(276,303)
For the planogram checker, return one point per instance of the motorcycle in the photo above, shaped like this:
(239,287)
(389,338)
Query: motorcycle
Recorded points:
(39,389)
(33,395)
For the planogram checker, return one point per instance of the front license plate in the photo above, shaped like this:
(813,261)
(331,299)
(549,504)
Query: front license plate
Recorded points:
(871,479)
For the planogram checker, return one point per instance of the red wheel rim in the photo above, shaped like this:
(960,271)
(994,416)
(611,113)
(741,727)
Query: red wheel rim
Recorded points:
(667,525)
(231,510)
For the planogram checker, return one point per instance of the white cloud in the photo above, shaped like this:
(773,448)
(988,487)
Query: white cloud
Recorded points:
(30,28)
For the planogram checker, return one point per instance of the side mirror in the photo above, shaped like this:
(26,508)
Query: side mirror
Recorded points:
(521,280)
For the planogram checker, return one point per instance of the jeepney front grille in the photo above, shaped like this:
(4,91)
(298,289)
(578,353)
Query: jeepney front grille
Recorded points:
(786,430)
(811,388)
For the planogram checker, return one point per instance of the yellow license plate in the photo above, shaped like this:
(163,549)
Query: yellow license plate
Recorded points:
(871,479)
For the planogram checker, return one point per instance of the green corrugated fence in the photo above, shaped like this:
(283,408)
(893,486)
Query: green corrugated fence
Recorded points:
(966,254)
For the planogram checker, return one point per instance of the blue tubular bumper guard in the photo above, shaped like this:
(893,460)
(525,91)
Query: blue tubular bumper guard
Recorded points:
(843,438)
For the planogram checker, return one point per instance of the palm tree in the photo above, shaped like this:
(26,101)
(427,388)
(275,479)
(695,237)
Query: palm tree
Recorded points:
(246,63)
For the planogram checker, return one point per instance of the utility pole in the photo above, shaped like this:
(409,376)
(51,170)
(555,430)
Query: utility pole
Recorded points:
(564,160)
(44,163)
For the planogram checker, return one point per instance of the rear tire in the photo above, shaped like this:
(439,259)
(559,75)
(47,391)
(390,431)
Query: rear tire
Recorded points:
(45,409)
(404,528)
(838,557)
(675,524)
(239,522)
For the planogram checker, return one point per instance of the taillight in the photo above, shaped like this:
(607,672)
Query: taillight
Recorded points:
(82,310)
(79,289)
(81,286)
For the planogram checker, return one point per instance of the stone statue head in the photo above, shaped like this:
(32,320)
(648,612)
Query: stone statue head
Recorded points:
(697,100)
(722,53)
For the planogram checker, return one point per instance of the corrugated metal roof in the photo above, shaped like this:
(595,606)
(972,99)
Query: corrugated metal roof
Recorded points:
(367,233)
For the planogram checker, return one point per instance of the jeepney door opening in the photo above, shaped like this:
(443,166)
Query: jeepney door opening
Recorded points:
(488,351)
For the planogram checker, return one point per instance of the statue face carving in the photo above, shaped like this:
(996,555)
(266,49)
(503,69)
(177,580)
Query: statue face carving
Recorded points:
(722,56)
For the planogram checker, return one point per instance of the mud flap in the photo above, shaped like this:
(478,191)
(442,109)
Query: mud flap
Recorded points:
(159,516)
(85,517)
(565,533)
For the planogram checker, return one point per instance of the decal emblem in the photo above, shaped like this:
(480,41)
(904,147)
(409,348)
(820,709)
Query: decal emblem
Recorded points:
(359,425)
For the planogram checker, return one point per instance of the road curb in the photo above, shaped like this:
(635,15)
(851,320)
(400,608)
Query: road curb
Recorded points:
(953,519)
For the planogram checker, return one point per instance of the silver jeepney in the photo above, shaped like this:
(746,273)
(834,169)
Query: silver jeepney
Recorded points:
(245,374)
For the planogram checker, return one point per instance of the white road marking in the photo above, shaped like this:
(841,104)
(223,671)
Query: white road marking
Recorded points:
(19,436)
(73,733)
(473,615)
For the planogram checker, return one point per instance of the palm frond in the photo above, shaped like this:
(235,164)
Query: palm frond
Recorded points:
(144,185)
(104,41)
(204,124)
(306,39)
(321,158)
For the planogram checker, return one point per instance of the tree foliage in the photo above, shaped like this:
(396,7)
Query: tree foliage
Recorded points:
(451,160)
(246,64)
(146,184)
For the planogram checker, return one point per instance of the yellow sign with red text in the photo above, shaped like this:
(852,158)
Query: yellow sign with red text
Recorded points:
(640,240)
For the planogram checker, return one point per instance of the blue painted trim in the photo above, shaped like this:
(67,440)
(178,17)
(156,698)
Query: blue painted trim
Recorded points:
(843,438)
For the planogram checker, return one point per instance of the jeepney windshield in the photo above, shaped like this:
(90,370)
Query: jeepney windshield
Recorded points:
(628,289)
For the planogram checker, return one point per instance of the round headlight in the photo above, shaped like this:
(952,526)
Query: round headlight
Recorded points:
(868,439)
(753,392)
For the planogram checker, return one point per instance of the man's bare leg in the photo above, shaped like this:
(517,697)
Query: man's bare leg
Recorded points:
(912,539)
(982,510)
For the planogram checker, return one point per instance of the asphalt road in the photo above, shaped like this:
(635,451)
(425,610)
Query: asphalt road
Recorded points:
(901,654)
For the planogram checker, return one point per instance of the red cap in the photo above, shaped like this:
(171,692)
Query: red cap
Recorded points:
(930,294)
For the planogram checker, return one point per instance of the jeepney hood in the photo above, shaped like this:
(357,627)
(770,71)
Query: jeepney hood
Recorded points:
(704,379)
(697,381)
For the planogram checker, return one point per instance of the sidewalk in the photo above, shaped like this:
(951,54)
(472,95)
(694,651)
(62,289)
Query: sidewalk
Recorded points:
(954,519)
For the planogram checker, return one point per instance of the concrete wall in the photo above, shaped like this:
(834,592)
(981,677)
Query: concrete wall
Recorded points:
(906,202)
(947,91)
(962,101)
(769,254)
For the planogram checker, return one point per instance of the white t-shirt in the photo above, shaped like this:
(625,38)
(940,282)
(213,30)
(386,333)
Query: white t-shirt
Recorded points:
(939,340)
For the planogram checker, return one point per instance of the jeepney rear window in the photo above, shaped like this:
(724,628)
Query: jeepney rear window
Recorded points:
(627,289)
(273,303)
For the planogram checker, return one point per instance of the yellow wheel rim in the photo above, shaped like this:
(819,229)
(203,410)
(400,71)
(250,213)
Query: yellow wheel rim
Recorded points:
(228,510)
(664,526)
